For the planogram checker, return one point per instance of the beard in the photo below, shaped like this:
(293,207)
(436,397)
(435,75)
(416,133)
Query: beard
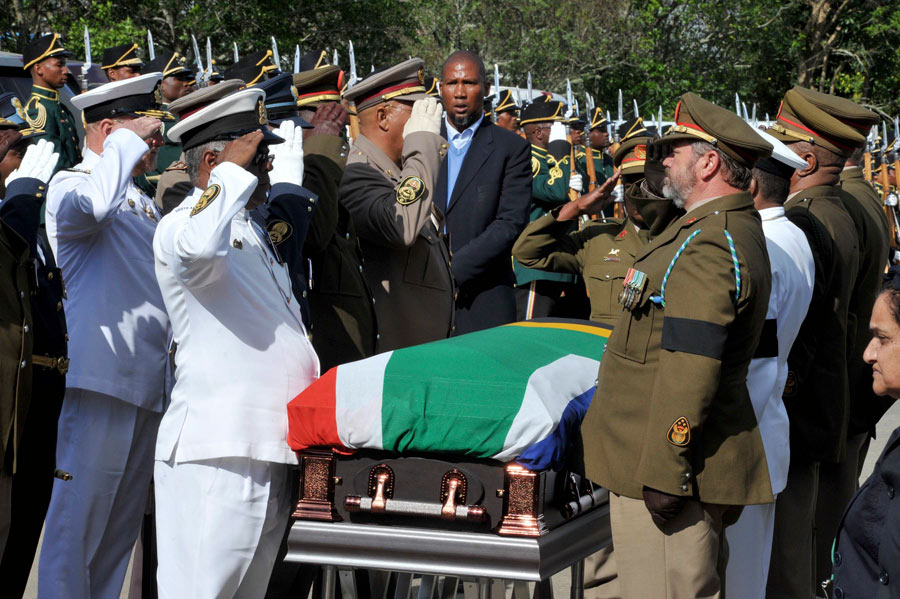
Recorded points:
(464,122)
(678,185)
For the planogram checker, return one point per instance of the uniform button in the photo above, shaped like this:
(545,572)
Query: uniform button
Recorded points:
(883,578)
(343,154)
(303,294)
(837,558)
(607,276)
(377,335)
(38,195)
(21,294)
(360,268)
(684,488)
(27,328)
(347,235)
(890,492)
(23,364)
(309,208)
(58,306)
(49,276)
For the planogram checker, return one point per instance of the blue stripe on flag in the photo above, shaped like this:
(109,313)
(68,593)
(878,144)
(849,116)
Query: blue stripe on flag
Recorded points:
(551,451)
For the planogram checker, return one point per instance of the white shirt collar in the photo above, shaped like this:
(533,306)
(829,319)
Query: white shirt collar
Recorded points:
(459,138)
(773,213)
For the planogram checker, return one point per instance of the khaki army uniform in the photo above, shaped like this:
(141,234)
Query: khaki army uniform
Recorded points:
(407,259)
(44,111)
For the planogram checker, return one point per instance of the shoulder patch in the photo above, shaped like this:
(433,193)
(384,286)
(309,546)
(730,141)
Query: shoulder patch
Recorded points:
(679,433)
(177,166)
(535,165)
(279,231)
(410,191)
(211,193)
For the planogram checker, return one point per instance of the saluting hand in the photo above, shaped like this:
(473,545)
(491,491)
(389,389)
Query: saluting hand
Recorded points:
(425,116)
(330,119)
(592,202)
(241,150)
(145,127)
(8,137)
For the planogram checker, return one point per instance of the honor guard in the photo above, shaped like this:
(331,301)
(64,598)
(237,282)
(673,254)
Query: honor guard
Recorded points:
(253,68)
(818,129)
(122,62)
(389,187)
(26,189)
(598,139)
(671,432)
(342,307)
(101,226)
(222,471)
(507,112)
(174,184)
(540,293)
(178,81)
(45,60)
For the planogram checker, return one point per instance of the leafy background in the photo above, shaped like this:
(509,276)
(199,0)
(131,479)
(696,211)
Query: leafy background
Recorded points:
(653,50)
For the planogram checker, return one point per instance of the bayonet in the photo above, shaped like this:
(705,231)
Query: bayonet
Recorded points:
(896,134)
(744,108)
(353,77)
(236,55)
(636,113)
(577,110)
(619,120)
(753,116)
(518,97)
(883,138)
(659,130)
(209,61)
(150,49)
(737,103)
(297,59)
(609,129)
(530,91)
(334,57)
(496,99)
(768,122)
(372,70)
(87,60)
(200,70)
(275,57)
(569,100)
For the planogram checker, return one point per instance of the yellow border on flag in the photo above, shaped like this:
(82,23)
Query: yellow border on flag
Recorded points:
(600,331)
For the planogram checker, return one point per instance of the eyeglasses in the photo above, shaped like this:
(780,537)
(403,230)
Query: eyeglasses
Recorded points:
(262,156)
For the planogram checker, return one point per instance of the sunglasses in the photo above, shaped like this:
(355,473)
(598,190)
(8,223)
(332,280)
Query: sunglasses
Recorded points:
(262,156)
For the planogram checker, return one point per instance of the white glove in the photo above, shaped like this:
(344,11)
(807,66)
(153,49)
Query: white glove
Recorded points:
(426,116)
(575,182)
(287,161)
(557,132)
(37,163)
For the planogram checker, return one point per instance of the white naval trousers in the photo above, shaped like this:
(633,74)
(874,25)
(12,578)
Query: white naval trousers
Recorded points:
(93,520)
(749,552)
(219,523)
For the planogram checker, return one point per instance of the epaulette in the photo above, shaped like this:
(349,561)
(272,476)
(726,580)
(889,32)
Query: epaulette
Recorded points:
(177,166)
(39,121)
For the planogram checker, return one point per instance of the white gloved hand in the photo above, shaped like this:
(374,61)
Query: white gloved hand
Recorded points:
(557,132)
(426,116)
(287,161)
(37,163)
(575,182)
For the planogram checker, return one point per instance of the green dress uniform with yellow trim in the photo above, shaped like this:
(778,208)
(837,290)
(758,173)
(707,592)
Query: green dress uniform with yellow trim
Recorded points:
(44,111)
(170,64)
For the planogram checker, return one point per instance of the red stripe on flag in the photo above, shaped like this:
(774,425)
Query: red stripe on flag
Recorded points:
(311,416)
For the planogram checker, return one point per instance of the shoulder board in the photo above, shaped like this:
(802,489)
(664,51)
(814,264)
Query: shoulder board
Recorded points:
(85,171)
(177,166)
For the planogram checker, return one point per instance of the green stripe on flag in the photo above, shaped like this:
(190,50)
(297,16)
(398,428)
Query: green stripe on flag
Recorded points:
(460,395)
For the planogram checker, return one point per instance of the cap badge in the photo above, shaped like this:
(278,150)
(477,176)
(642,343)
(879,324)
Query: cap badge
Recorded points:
(640,152)
(157,94)
(679,433)
(211,193)
(410,191)
(421,75)
(261,109)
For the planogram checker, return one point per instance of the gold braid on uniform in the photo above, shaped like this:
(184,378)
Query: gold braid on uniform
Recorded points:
(555,171)
(40,120)
(535,166)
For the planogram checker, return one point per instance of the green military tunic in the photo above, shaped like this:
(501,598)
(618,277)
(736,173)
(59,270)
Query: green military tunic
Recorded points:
(672,410)
(169,153)
(603,252)
(44,111)
(549,189)
(603,164)
(816,394)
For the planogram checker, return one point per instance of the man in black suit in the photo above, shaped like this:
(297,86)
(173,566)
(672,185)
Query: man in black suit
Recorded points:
(484,190)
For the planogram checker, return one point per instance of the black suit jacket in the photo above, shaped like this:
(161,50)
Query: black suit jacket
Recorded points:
(486,213)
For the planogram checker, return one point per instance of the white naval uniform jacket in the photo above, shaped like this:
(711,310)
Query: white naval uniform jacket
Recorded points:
(793,274)
(243,352)
(101,226)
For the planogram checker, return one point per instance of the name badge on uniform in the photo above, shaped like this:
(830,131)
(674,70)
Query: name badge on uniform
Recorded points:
(634,284)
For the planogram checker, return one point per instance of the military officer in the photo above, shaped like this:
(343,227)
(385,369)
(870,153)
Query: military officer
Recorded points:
(101,227)
(174,184)
(45,60)
(253,68)
(222,506)
(388,187)
(122,62)
(671,432)
(540,293)
(816,394)
(342,309)
(507,112)
(26,189)
(178,81)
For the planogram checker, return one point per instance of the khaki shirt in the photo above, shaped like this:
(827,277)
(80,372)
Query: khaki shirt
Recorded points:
(672,410)
(407,262)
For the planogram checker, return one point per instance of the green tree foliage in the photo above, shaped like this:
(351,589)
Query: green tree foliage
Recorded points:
(653,50)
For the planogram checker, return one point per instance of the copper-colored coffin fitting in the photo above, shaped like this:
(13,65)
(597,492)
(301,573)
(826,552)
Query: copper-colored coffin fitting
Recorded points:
(522,516)
(317,482)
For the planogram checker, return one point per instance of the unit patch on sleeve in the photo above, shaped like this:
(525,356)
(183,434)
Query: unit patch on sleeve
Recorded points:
(410,191)
(211,193)
(679,433)
(279,231)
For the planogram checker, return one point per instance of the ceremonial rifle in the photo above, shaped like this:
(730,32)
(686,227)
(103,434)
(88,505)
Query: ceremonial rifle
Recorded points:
(588,150)
(150,49)
(867,157)
(573,194)
(892,196)
(82,79)
(889,200)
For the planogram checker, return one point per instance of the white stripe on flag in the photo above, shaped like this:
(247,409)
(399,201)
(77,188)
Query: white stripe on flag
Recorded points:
(358,397)
(550,389)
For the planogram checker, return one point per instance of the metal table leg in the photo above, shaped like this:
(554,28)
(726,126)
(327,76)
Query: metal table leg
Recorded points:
(577,590)
(328,581)
(543,589)
(428,586)
(484,588)
(449,586)
(404,584)
(348,584)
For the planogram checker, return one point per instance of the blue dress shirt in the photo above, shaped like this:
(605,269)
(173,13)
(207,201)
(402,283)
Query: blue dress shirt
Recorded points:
(459,145)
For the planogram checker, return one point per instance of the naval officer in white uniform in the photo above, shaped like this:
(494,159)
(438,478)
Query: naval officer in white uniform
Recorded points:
(793,274)
(222,459)
(101,227)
